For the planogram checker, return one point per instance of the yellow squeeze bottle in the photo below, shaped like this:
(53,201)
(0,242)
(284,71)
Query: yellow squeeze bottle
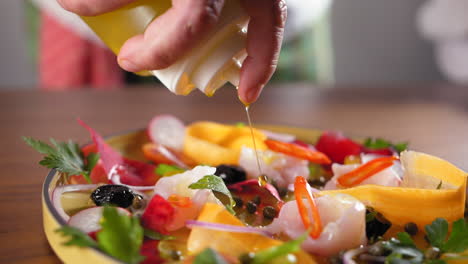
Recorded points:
(212,63)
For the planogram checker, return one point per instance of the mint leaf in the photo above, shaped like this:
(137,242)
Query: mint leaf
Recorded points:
(65,157)
(267,255)
(437,232)
(209,256)
(167,170)
(77,237)
(121,236)
(458,239)
(157,236)
(214,183)
(405,239)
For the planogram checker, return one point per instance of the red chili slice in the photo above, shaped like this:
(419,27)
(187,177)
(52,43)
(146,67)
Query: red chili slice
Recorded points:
(300,191)
(365,171)
(297,151)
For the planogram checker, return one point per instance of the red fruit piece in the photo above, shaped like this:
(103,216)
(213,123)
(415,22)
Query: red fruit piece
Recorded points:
(149,249)
(132,172)
(336,146)
(382,151)
(158,214)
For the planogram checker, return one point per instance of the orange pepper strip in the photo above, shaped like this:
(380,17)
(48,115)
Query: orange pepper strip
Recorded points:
(300,191)
(365,171)
(180,201)
(297,151)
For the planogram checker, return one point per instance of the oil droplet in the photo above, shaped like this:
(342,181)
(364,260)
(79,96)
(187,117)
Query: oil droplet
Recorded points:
(262,179)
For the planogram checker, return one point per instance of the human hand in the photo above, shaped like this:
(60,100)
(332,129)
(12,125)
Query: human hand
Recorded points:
(181,28)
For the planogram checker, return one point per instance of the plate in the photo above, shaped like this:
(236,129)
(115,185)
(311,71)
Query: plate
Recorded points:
(129,144)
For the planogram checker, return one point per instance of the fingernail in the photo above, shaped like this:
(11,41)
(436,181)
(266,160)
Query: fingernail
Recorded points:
(128,65)
(252,94)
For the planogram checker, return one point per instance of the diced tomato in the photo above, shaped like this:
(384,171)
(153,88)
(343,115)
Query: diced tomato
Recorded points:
(382,151)
(158,214)
(138,173)
(88,149)
(336,146)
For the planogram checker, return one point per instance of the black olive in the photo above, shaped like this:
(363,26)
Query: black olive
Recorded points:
(231,174)
(251,207)
(411,228)
(269,212)
(117,195)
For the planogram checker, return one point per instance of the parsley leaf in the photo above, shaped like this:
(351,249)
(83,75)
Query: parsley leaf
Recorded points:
(157,236)
(437,232)
(215,183)
(121,236)
(379,143)
(267,255)
(167,170)
(405,239)
(458,240)
(209,256)
(77,237)
(65,157)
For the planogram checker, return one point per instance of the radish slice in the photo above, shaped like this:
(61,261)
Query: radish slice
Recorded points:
(59,190)
(169,155)
(168,131)
(279,136)
(115,179)
(88,220)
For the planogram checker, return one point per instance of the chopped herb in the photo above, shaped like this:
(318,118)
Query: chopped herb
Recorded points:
(439,185)
(77,237)
(216,184)
(267,255)
(65,157)
(209,256)
(379,143)
(240,124)
(121,236)
(405,239)
(156,235)
(168,170)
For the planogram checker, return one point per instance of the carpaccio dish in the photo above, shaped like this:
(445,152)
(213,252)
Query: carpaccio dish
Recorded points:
(197,198)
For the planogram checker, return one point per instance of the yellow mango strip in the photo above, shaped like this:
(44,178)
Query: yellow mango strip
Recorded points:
(420,204)
(231,243)
(214,144)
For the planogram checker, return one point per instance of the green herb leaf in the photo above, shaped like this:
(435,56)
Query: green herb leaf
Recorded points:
(379,143)
(209,256)
(215,183)
(168,170)
(157,236)
(240,124)
(121,236)
(267,255)
(91,161)
(77,237)
(435,261)
(439,185)
(437,232)
(458,240)
(65,157)
(405,239)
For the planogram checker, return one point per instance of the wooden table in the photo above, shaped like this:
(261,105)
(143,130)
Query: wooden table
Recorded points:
(433,120)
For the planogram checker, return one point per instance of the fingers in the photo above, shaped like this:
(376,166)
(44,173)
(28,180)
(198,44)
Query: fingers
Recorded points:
(264,37)
(92,7)
(171,35)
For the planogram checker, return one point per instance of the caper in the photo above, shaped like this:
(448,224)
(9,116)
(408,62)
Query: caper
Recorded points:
(411,228)
(246,258)
(269,212)
(238,201)
(256,200)
(432,253)
(251,207)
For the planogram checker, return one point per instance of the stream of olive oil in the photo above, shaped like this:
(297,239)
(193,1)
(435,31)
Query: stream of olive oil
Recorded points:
(262,179)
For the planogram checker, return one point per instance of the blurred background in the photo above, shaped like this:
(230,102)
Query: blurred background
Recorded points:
(327,42)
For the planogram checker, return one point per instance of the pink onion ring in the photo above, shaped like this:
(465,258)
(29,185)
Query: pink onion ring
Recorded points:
(228,228)
(59,190)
